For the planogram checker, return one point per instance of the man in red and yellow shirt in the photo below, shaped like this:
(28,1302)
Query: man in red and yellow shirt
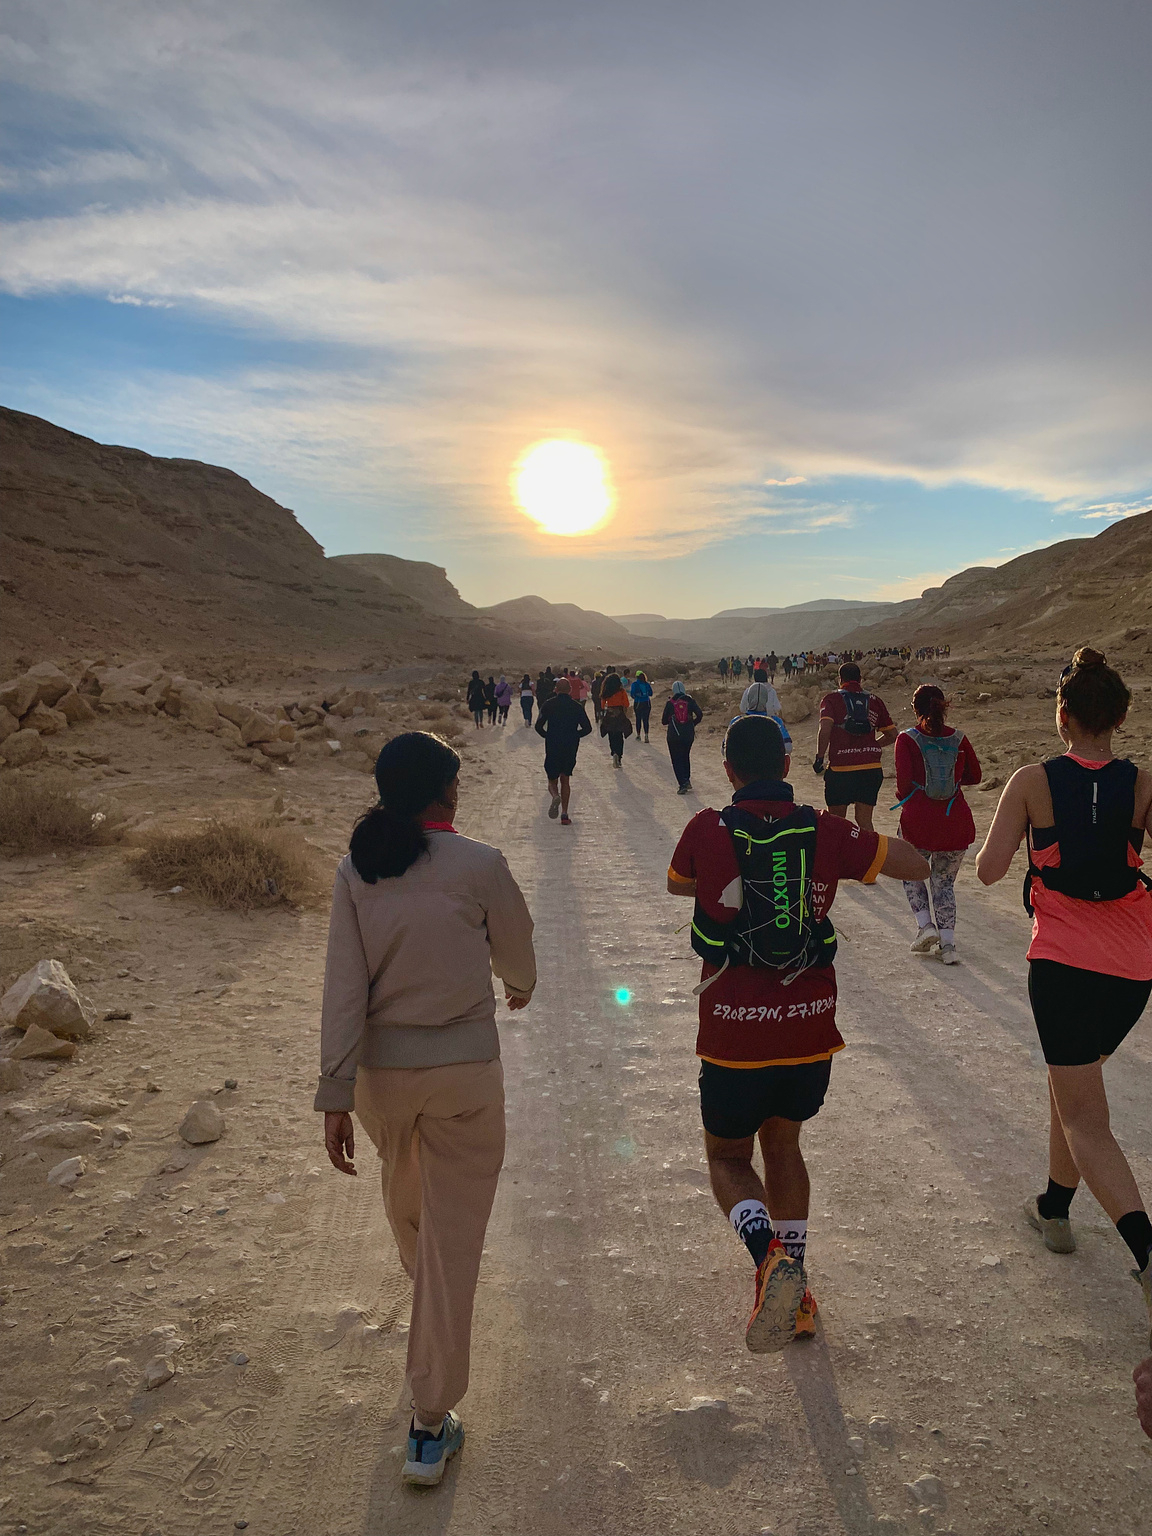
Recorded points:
(766,1042)
(852,748)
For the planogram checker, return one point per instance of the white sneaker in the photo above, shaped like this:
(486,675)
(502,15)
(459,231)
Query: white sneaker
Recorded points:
(927,939)
(1055,1230)
(948,954)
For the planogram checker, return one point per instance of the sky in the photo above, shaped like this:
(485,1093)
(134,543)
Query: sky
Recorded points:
(849,296)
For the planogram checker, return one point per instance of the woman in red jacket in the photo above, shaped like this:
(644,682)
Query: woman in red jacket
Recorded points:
(933,762)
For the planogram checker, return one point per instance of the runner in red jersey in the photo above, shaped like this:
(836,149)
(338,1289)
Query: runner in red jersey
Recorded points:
(766,1035)
(855,727)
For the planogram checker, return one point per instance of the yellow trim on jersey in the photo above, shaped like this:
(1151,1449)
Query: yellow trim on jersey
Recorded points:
(853,767)
(787,1061)
(877,862)
(680,879)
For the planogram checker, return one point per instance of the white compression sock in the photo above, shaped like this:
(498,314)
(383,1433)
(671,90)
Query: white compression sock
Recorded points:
(947,935)
(794,1236)
(923,920)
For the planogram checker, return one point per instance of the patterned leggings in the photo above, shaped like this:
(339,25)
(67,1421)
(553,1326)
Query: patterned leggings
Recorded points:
(945,867)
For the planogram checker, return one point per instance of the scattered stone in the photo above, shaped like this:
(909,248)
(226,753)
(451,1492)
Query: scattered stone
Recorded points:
(11,1075)
(157,1372)
(177,1162)
(880,1429)
(46,996)
(123,1256)
(68,1134)
(90,1108)
(115,1015)
(19,695)
(926,1490)
(9,724)
(199,711)
(121,1134)
(856,1445)
(125,1421)
(335,746)
(75,708)
(65,1174)
(22,747)
(703,1405)
(991,1261)
(257,728)
(230,1082)
(50,683)
(202,1123)
(239,1358)
(49,722)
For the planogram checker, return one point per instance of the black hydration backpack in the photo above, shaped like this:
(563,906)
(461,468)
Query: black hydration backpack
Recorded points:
(1092,811)
(856,721)
(774,928)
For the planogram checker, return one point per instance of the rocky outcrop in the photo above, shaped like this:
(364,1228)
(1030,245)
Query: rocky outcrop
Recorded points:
(45,997)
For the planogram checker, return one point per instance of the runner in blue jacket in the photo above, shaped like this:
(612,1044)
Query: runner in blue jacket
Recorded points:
(641,691)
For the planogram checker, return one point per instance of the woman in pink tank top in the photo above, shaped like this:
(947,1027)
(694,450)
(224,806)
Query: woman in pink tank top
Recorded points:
(1084,815)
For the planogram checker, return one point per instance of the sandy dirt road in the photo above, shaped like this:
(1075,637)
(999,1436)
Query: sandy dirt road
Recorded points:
(611,1389)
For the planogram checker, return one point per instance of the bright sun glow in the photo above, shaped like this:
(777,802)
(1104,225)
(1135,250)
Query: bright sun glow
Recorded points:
(564,486)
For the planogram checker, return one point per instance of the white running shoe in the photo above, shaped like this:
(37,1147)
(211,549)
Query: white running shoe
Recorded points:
(926,940)
(948,955)
(1055,1230)
(554,808)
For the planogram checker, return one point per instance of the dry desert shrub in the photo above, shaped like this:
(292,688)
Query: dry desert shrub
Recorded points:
(46,812)
(236,865)
(429,710)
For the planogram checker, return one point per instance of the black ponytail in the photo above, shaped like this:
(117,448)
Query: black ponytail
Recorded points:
(413,772)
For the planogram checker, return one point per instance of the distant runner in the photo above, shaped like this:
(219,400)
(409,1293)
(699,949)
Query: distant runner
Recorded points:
(722,668)
(855,727)
(681,716)
(760,698)
(641,692)
(767,993)
(933,763)
(1090,961)
(597,687)
(476,700)
(773,666)
(527,697)
(490,700)
(562,722)
(614,722)
(503,699)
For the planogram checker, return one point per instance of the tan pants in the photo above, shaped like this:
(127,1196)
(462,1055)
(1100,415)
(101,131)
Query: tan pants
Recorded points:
(439,1132)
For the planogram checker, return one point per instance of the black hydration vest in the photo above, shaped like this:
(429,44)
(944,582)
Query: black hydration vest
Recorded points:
(774,928)
(1092,810)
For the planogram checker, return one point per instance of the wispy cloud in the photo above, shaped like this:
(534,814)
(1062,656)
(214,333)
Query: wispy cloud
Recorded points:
(1118,509)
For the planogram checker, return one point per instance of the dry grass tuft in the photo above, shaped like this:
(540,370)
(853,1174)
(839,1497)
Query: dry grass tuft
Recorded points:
(46,812)
(235,865)
(428,709)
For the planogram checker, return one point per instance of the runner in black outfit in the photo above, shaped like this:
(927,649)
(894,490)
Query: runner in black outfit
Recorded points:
(562,722)
(681,716)
(476,699)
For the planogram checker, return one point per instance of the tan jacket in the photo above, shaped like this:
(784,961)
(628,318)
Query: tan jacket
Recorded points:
(408,980)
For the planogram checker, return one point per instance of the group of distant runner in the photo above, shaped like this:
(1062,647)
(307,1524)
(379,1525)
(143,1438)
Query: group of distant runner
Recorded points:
(413,1045)
(801,663)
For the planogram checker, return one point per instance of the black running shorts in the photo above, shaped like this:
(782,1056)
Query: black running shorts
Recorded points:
(736,1101)
(1082,1015)
(853,786)
(560,761)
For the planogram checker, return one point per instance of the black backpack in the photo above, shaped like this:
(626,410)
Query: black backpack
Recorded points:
(774,928)
(1092,811)
(856,721)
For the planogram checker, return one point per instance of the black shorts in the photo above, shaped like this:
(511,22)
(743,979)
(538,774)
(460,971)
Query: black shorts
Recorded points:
(1082,1015)
(560,762)
(853,786)
(736,1101)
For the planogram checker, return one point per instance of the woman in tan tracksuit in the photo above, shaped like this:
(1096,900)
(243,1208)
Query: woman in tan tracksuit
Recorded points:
(421,917)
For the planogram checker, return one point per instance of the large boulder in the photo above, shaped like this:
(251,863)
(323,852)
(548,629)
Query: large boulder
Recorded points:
(258,728)
(75,708)
(9,724)
(122,698)
(11,1075)
(68,1135)
(796,706)
(198,710)
(49,722)
(202,1123)
(237,713)
(22,747)
(281,751)
(358,698)
(139,676)
(45,996)
(19,695)
(51,683)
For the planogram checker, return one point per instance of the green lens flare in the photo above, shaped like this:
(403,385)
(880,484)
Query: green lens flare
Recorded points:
(623,996)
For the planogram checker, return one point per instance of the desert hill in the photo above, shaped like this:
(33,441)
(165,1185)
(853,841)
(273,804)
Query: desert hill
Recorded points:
(1095,589)
(109,549)
(567,623)
(736,631)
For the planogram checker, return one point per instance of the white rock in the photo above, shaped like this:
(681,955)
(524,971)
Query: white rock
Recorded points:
(926,1490)
(68,1134)
(125,1421)
(45,995)
(157,1372)
(202,1123)
(66,1173)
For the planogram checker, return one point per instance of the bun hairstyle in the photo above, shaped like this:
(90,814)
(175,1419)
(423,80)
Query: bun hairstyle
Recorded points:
(413,772)
(930,706)
(612,684)
(1093,693)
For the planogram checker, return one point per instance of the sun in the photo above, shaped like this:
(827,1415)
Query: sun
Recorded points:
(564,486)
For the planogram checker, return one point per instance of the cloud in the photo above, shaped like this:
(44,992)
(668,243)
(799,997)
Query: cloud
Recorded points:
(787,243)
(1118,509)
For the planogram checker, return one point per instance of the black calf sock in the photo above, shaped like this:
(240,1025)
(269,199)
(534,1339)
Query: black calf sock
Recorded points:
(1055,1203)
(1136,1230)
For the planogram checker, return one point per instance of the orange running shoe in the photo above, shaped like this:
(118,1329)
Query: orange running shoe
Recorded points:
(806,1317)
(780,1288)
